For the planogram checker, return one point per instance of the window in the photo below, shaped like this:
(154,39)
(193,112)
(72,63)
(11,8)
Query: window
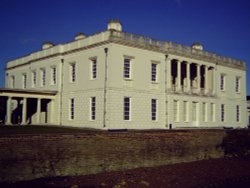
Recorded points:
(93,68)
(43,77)
(176,110)
(126,108)
(92,108)
(185,110)
(72,109)
(153,72)
(237,84)
(154,109)
(204,111)
(33,81)
(127,69)
(13,80)
(53,75)
(212,112)
(222,112)
(24,80)
(195,111)
(72,72)
(222,82)
(237,113)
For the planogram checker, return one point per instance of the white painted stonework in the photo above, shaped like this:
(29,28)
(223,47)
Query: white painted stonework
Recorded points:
(117,80)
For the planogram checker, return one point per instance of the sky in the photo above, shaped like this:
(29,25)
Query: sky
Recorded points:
(222,26)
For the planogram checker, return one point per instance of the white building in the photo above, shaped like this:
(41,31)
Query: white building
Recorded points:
(118,80)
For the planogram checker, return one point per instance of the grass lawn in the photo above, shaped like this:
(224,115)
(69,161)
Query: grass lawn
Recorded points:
(35,129)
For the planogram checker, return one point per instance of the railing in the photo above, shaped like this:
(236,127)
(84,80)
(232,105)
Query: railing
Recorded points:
(176,48)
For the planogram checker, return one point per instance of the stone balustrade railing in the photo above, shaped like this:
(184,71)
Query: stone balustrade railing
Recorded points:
(170,47)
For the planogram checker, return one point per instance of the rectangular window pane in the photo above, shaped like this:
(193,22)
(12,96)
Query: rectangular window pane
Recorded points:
(185,111)
(154,109)
(222,112)
(43,77)
(33,78)
(212,112)
(126,108)
(153,72)
(72,109)
(24,80)
(13,80)
(126,68)
(237,84)
(176,110)
(73,72)
(94,68)
(93,108)
(222,82)
(237,113)
(53,70)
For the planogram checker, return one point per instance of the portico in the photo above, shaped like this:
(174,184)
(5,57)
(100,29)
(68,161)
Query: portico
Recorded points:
(27,106)
(190,77)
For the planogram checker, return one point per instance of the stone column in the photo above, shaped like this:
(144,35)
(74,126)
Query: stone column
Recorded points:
(188,76)
(8,111)
(169,73)
(178,75)
(38,110)
(198,78)
(206,79)
(24,111)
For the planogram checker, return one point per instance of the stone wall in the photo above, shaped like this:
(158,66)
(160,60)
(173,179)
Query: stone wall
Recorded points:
(24,157)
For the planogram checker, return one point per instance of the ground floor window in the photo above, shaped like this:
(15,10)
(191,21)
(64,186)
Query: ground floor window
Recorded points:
(72,109)
(222,112)
(153,109)
(92,108)
(237,113)
(126,108)
(176,110)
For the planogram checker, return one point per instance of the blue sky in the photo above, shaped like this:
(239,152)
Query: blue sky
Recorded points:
(222,26)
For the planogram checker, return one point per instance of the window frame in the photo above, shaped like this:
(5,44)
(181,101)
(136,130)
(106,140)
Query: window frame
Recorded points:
(238,113)
(43,77)
(72,72)
(237,84)
(72,109)
(92,108)
(154,71)
(127,69)
(222,82)
(127,108)
(222,113)
(24,79)
(53,75)
(93,68)
(33,78)
(154,104)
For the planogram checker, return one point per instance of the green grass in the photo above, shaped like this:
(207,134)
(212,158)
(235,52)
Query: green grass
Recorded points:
(35,129)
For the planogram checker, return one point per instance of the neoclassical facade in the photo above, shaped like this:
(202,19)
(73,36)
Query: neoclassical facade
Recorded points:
(118,80)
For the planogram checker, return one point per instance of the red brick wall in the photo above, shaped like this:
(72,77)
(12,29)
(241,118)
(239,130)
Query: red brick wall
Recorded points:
(24,157)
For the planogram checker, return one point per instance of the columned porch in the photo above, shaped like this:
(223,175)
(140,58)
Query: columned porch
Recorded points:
(25,107)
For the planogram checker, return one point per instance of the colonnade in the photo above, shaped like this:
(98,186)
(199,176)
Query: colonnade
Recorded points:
(189,77)
(23,103)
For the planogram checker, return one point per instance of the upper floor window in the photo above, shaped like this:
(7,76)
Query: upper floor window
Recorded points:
(153,109)
(72,72)
(126,108)
(222,82)
(24,80)
(154,72)
(53,75)
(93,68)
(33,78)
(127,68)
(12,81)
(237,84)
(43,77)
